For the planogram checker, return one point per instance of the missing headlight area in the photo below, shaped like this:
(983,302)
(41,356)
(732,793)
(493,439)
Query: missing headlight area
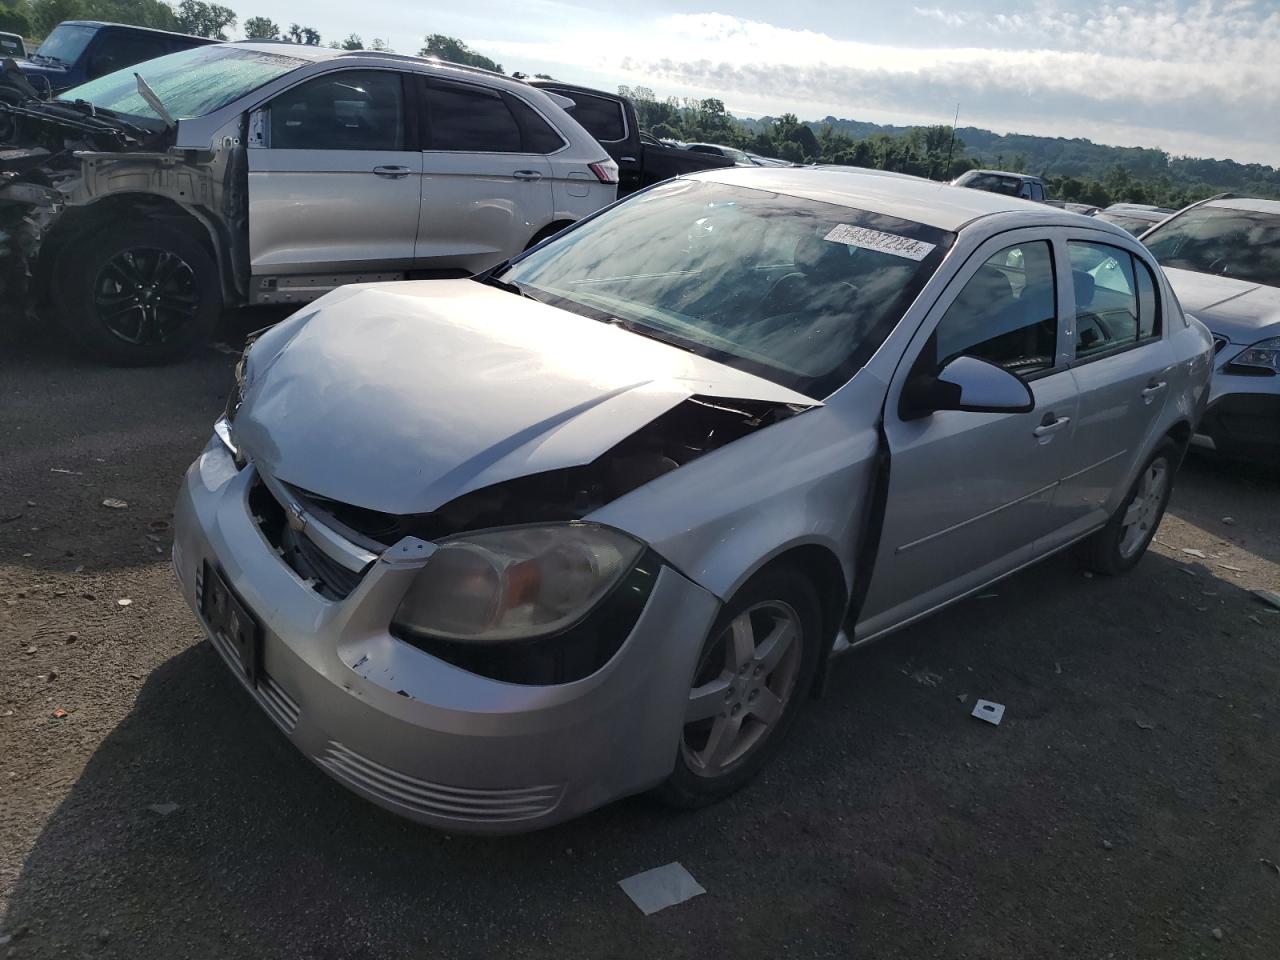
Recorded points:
(696,426)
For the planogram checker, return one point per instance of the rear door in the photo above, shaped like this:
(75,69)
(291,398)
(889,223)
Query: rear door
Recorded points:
(333,177)
(1121,363)
(971,493)
(485,190)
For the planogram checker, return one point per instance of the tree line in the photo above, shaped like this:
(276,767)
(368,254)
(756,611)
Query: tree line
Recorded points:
(1076,170)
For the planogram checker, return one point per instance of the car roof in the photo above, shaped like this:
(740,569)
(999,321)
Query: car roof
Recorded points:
(318,54)
(893,194)
(1247,203)
(132,29)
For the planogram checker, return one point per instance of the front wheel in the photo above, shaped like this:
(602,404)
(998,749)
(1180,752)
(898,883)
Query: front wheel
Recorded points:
(1118,546)
(756,666)
(134,295)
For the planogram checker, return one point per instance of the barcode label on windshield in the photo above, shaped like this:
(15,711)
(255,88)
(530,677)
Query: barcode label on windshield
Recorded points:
(868,239)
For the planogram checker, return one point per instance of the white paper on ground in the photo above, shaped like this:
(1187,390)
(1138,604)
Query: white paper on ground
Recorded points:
(988,711)
(660,887)
(878,240)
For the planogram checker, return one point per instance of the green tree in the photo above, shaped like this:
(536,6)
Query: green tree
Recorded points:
(455,51)
(353,42)
(205,19)
(15,18)
(303,35)
(377,43)
(139,13)
(261,28)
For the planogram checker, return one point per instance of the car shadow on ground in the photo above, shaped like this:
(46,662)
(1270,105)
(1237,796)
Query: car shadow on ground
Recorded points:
(1122,806)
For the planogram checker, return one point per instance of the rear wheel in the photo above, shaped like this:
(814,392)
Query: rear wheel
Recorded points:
(756,666)
(135,295)
(1118,546)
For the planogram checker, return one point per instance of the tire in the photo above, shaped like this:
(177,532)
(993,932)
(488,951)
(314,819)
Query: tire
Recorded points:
(549,230)
(137,294)
(1118,546)
(739,699)
(9,124)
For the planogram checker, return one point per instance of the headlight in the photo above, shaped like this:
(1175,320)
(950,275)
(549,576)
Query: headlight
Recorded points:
(236,396)
(1264,354)
(515,584)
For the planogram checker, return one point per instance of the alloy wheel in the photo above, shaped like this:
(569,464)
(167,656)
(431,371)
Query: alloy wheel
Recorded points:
(1143,513)
(742,687)
(144,296)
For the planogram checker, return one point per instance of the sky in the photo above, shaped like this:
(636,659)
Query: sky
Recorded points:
(1194,77)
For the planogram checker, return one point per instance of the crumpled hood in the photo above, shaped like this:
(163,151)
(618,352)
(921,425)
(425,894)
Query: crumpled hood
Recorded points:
(1241,311)
(400,397)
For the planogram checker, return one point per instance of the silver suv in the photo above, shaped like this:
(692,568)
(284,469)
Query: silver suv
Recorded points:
(255,173)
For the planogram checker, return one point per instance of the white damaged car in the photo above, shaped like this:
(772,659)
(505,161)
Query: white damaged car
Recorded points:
(495,552)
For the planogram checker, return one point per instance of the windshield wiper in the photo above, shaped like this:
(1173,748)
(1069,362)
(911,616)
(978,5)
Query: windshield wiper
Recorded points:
(492,281)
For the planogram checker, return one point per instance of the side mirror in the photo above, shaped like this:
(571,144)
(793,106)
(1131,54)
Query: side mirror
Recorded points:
(968,384)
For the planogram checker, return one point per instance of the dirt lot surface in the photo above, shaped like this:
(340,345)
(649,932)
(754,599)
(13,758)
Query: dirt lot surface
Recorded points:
(1126,807)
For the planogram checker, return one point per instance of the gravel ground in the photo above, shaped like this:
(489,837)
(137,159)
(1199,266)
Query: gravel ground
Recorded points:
(1124,808)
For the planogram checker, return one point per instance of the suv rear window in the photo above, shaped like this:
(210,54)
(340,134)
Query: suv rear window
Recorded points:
(600,116)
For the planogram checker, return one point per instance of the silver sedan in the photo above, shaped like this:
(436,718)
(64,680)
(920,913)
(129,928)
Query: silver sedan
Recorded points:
(494,552)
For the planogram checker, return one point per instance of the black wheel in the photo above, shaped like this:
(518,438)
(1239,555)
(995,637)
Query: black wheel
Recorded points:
(1118,546)
(755,668)
(138,294)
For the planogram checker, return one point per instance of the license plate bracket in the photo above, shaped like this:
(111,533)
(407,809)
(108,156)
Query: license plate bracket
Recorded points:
(231,621)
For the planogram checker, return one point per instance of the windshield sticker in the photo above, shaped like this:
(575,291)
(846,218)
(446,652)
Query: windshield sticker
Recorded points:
(868,239)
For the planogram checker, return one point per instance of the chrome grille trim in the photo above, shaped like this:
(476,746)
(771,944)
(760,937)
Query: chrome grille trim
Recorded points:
(279,705)
(435,799)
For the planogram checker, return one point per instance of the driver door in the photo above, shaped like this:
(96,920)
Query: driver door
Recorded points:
(970,493)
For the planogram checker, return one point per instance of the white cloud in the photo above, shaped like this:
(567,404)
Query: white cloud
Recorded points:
(1196,80)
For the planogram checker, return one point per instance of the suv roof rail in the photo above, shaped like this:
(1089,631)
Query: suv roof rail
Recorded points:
(409,56)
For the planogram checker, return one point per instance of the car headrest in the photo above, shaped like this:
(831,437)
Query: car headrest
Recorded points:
(1084,284)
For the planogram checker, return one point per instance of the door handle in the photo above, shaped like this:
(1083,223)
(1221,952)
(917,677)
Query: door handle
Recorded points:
(1152,388)
(391,172)
(527,175)
(1049,425)
(627,159)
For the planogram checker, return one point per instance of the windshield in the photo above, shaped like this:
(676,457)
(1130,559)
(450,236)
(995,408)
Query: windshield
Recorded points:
(1241,244)
(793,290)
(992,183)
(66,43)
(1134,225)
(190,83)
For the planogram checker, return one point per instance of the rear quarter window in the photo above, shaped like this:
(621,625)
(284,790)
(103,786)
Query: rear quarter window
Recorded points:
(599,116)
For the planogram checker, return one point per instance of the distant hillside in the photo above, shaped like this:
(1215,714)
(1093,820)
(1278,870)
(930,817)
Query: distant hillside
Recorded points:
(1077,158)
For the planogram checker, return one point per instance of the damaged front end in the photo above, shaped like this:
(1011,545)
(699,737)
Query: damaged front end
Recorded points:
(693,428)
(58,159)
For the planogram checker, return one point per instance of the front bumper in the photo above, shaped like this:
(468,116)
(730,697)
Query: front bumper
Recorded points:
(419,736)
(1242,419)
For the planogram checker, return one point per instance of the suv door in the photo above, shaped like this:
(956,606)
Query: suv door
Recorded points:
(486,181)
(1121,363)
(333,177)
(970,493)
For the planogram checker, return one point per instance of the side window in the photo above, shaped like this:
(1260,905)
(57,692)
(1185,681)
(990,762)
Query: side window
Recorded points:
(537,135)
(350,110)
(600,117)
(1116,302)
(470,118)
(1007,312)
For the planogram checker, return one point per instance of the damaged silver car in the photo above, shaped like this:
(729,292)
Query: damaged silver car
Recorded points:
(494,552)
(141,203)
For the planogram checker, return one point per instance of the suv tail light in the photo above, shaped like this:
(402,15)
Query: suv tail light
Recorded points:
(606,171)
